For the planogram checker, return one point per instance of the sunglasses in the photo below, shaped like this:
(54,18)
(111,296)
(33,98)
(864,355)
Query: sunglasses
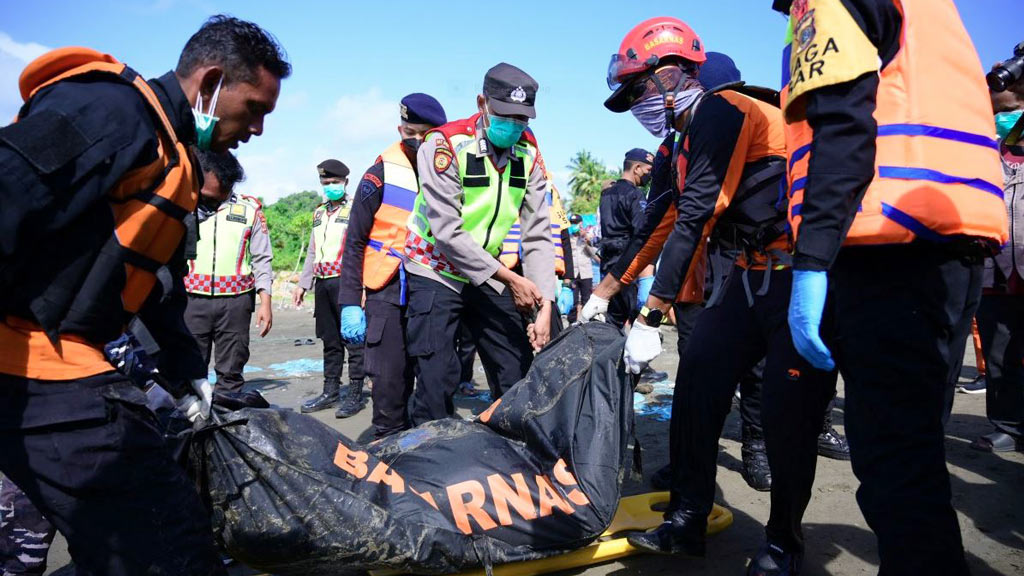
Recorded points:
(658,83)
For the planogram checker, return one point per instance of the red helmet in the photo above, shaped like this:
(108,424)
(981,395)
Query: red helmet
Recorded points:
(648,44)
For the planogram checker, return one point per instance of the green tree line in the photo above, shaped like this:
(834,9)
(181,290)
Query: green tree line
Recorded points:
(289,221)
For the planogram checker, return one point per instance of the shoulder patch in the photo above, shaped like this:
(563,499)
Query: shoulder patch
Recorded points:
(442,159)
(439,140)
(827,47)
(366,189)
(371,178)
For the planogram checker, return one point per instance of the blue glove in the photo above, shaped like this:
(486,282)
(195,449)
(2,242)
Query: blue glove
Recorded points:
(643,290)
(353,324)
(565,300)
(806,304)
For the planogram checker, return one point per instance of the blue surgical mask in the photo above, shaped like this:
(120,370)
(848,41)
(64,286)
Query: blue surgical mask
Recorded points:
(574,229)
(205,121)
(334,192)
(1005,121)
(504,132)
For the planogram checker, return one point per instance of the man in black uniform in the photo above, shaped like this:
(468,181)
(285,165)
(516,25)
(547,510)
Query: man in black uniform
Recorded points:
(76,435)
(323,266)
(622,214)
(373,259)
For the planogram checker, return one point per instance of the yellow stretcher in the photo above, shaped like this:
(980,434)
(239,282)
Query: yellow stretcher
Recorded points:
(634,513)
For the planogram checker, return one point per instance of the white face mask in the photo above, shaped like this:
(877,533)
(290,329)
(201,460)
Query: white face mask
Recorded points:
(205,121)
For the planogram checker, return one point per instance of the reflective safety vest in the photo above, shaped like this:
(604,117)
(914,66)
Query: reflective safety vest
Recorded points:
(385,249)
(491,199)
(937,170)
(512,247)
(330,222)
(222,266)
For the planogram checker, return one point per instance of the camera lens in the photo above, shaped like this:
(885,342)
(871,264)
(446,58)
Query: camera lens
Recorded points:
(1006,74)
(998,79)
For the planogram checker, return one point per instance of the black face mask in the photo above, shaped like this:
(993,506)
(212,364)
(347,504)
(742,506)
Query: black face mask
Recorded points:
(208,204)
(645,180)
(411,145)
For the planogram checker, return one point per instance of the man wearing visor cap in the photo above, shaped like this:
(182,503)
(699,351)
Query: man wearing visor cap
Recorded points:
(477,176)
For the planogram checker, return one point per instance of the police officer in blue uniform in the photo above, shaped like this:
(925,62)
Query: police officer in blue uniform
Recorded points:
(383,327)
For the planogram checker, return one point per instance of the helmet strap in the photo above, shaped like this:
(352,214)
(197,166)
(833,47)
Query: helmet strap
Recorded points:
(670,99)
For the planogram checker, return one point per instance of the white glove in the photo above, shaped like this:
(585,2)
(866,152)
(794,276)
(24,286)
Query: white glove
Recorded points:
(642,345)
(595,306)
(195,406)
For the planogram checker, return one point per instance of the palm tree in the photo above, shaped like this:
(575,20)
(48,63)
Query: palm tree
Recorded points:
(586,183)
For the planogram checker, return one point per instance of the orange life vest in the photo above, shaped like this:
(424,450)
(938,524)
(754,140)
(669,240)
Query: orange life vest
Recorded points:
(937,170)
(384,254)
(513,243)
(148,205)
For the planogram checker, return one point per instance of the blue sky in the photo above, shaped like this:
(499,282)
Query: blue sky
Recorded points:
(353,61)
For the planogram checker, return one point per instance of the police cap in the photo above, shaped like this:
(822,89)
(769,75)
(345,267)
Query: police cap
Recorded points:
(640,155)
(420,108)
(510,91)
(332,169)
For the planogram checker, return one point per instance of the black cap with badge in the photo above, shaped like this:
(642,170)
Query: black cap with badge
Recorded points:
(510,91)
(332,169)
(640,155)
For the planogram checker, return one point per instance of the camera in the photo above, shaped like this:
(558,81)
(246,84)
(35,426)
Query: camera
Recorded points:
(1007,72)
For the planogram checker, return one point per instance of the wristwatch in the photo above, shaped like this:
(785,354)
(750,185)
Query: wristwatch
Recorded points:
(652,316)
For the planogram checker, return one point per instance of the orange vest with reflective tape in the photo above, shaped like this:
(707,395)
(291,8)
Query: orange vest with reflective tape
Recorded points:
(148,205)
(513,242)
(384,251)
(937,169)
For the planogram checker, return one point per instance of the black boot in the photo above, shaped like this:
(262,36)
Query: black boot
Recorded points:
(326,400)
(774,561)
(832,444)
(351,400)
(755,461)
(682,534)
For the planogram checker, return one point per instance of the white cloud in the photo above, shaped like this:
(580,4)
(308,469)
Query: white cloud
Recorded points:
(355,128)
(363,117)
(14,56)
(25,52)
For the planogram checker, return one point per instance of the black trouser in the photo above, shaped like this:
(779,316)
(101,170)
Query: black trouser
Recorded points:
(388,365)
(221,323)
(90,457)
(582,288)
(903,314)
(467,354)
(1001,325)
(435,314)
(25,535)
(328,328)
(794,396)
(686,318)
